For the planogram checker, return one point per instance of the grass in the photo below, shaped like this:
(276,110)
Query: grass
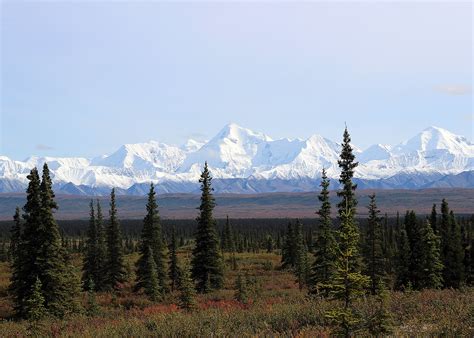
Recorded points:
(277,308)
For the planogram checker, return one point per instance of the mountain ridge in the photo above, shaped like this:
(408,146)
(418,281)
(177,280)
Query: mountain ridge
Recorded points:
(243,160)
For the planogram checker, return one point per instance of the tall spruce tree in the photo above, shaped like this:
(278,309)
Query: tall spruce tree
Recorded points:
(58,281)
(348,203)
(101,254)
(207,268)
(25,271)
(373,252)
(152,238)
(114,268)
(325,246)
(91,268)
(173,269)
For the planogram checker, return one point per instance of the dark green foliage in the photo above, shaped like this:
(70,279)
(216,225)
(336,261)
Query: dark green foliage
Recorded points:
(34,308)
(114,268)
(15,236)
(373,251)
(151,282)
(452,251)
(347,164)
(186,289)
(301,268)
(228,243)
(207,268)
(173,269)
(58,281)
(403,262)
(40,255)
(152,238)
(430,274)
(413,229)
(288,251)
(347,283)
(93,262)
(325,246)
(434,219)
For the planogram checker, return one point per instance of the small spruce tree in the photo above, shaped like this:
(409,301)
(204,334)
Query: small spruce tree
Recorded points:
(186,289)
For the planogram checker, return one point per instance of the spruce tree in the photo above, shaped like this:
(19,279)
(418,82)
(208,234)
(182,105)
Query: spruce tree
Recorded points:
(101,254)
(454,272)
(452,252)
(15,236)
(348,203)
(152,238)
(91,268)
(34,308)
(114,268)
(403,273)
(59,283)
(25,271)
(434,219)
(347,165)
(186,289)
(301,259)
(347,283)
(151,282)
(413,229)
(375,264)
(431,266)
(288,252)
(173,269)
(325,246)
(228,243)
(207,269)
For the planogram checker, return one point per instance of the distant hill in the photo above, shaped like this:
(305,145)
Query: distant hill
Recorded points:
(303,205)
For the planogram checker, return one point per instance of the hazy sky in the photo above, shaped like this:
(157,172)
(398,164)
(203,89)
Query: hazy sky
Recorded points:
(82,78)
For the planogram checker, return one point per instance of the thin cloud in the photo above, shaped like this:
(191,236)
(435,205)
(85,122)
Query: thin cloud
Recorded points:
(457,89)
(43,147)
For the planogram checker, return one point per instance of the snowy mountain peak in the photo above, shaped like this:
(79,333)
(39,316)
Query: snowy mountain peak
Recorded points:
(236,133)
(435,138)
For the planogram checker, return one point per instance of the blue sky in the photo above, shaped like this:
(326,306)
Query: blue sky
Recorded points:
(82,78)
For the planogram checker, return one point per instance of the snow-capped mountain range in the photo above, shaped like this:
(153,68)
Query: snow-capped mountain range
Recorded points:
(242,160)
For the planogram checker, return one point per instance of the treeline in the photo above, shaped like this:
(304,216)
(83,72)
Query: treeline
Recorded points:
(342,258)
